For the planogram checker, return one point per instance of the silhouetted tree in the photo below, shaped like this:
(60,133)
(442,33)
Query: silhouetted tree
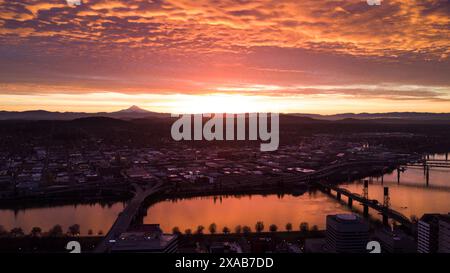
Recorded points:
(90,232)
(16,232)
(200,229)
(314,228)
(176,230)
(289,227)
(238,229)
(304,227)
(414,219)
(100,233)
(246,230)
(259,227)
(36,232)
(226,230)
(212,228)
(273,228)
(74,230)
(56,231)
(188,231)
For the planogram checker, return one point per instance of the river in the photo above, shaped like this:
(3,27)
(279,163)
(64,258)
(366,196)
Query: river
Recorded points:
(411,197)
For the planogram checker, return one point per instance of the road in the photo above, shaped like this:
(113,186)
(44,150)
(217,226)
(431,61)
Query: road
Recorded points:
(126,217)
(397,216)
(124,220)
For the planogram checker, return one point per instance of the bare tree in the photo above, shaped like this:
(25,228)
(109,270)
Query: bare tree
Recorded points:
(273,228)
(176,230)
(200,229)
(226,230)
(304,227)
(238,229)
(289,227)
(74,230)
(36,232)
(17,232)
(246,230)
(212,228)
(259,227)
(56,231)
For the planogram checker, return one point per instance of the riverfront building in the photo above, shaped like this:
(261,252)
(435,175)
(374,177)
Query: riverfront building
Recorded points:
(346,233)
(428,233)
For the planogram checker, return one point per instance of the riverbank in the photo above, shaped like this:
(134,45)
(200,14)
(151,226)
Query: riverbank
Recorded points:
(287,184)
(66,196)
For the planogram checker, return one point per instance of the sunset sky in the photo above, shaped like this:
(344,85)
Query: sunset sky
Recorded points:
(329,56)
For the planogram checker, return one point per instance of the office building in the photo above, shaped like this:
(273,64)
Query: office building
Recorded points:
(428,233)
(346,233)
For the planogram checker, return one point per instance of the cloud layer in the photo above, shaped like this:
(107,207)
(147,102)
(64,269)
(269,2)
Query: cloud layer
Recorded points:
(415,28)
(398,50)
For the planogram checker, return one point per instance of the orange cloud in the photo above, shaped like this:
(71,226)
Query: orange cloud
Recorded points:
(418,28)
(340,48)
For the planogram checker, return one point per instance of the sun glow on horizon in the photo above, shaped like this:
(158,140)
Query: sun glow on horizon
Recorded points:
(177,56)
(213,103)
(223,103)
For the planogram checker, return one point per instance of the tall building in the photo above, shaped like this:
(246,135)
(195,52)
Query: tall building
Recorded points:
(346,233)
(428,233)
(444,234)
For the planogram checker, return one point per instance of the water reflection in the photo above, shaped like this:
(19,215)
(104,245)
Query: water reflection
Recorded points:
(96,217)
(411,195)
(244,210)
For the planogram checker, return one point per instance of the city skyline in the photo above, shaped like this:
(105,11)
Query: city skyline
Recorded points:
(324,57)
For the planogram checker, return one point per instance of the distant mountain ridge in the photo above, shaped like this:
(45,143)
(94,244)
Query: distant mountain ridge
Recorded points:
(389,115)
(135,112)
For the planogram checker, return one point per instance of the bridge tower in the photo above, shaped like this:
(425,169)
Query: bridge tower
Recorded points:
(366,211)
(386,204)
(366,189)
(386,200)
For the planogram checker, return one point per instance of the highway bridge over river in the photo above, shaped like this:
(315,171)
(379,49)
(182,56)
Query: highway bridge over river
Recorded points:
(319,176)
(128,215)
(133,208)
(383,209)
